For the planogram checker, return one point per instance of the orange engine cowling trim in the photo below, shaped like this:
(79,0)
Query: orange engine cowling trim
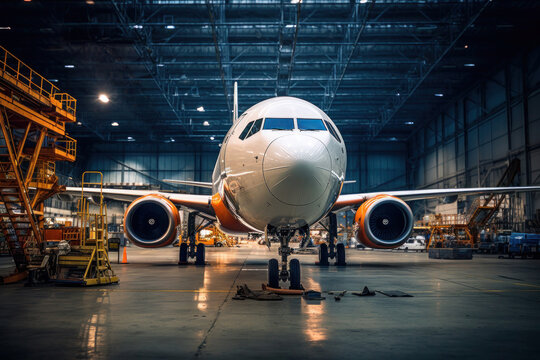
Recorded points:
(170,209)
(360,218)
(225,216)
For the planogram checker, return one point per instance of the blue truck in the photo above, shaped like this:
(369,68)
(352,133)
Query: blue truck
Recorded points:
(524,245)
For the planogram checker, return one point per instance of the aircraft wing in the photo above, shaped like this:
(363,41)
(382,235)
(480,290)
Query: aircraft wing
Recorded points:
(199,203)
(350,200)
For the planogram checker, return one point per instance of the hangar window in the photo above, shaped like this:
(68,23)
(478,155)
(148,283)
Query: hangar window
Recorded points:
(246,130)
(255,128)
(278,124)
(310,124)
(332,130)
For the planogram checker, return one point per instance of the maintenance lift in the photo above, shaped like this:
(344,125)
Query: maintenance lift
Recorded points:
(33,117)
(463,230)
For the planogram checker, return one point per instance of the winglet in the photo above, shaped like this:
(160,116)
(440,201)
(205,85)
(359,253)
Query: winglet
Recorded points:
(235,110)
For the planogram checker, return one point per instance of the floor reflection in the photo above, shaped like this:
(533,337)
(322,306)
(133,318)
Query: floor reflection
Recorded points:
(93,332)
(314,315)
(201,297)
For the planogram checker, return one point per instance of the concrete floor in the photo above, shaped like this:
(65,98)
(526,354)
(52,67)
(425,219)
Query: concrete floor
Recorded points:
(484,308)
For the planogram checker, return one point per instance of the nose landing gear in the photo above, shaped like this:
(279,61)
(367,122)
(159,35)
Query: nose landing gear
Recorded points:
(290,273)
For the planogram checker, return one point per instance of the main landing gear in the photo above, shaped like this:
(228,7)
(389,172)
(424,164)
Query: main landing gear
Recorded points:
(292,274)
(332,250)
(191,249)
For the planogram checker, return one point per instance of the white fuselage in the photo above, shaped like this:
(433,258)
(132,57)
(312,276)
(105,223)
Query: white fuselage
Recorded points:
(286,178)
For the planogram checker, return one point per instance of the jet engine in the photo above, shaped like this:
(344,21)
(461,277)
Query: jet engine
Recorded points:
(383,222)
(150,221)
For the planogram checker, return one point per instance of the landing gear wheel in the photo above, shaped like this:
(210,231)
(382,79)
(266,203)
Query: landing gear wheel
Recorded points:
(199,255)
(294,275)
(273,273)
(323,255)
(340,255)
(183,253)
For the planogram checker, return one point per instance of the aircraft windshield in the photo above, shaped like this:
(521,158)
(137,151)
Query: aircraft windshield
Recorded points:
(310,124)
(245,131)
(255,128)
(278,124)
(332,131)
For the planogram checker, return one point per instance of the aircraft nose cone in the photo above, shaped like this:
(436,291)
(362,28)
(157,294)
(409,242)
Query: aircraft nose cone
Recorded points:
(297,169)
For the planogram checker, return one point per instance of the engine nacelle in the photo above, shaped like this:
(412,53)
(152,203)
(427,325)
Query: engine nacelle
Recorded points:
(383,222)
(151,221)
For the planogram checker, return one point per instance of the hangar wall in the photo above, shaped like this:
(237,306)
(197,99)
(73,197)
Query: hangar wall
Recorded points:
(471,142)
(376,167)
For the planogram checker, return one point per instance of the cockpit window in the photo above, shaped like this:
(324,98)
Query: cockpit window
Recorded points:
(332,130)
(245,131)
(310,124)
(255,128)
(278,124)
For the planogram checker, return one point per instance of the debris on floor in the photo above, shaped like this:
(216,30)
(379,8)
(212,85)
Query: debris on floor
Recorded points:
(365,292)
(280,291)
(243,292)
(338,294)
(394,293)
(313,295)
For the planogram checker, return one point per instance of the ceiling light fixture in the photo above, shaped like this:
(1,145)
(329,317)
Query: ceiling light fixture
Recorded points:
(53,80)
(170,27)
(438,94)
(212,138)
(469,65)
(160,65)
(90,2)
(172,140)
(466,46)
(137,26)
(103,98)
(5,27)
(130,138)
(69,66)
(206,123)
(114,123)
(200,109)
(79,123)
(409,122)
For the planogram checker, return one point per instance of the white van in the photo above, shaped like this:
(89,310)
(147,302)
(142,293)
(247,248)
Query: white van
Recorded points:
(417,243)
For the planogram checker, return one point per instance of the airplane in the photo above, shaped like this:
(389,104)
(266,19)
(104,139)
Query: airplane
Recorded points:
(280,169)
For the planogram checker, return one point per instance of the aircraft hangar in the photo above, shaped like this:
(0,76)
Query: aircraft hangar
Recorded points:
(374,164)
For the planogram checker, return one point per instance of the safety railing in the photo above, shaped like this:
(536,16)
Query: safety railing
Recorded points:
(45,172)
(24,77)
(67,144)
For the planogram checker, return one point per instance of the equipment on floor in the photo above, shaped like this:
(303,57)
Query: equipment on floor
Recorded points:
(461,230)
(33,117)
(244,292)
(88,263)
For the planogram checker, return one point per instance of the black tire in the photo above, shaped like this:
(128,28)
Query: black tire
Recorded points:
(406,249)
(219,244)
(340,254)
(323,254)
(183,253)
(200,254)
(294,274)
(273,273)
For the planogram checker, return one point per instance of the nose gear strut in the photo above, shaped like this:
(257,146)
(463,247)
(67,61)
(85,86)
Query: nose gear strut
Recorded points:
(292,273)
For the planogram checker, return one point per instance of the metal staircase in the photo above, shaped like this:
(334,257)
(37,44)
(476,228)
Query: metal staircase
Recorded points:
(33,117)
(17,220)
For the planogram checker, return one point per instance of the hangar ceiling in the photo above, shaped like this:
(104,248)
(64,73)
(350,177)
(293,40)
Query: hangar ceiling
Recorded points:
(378,68)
